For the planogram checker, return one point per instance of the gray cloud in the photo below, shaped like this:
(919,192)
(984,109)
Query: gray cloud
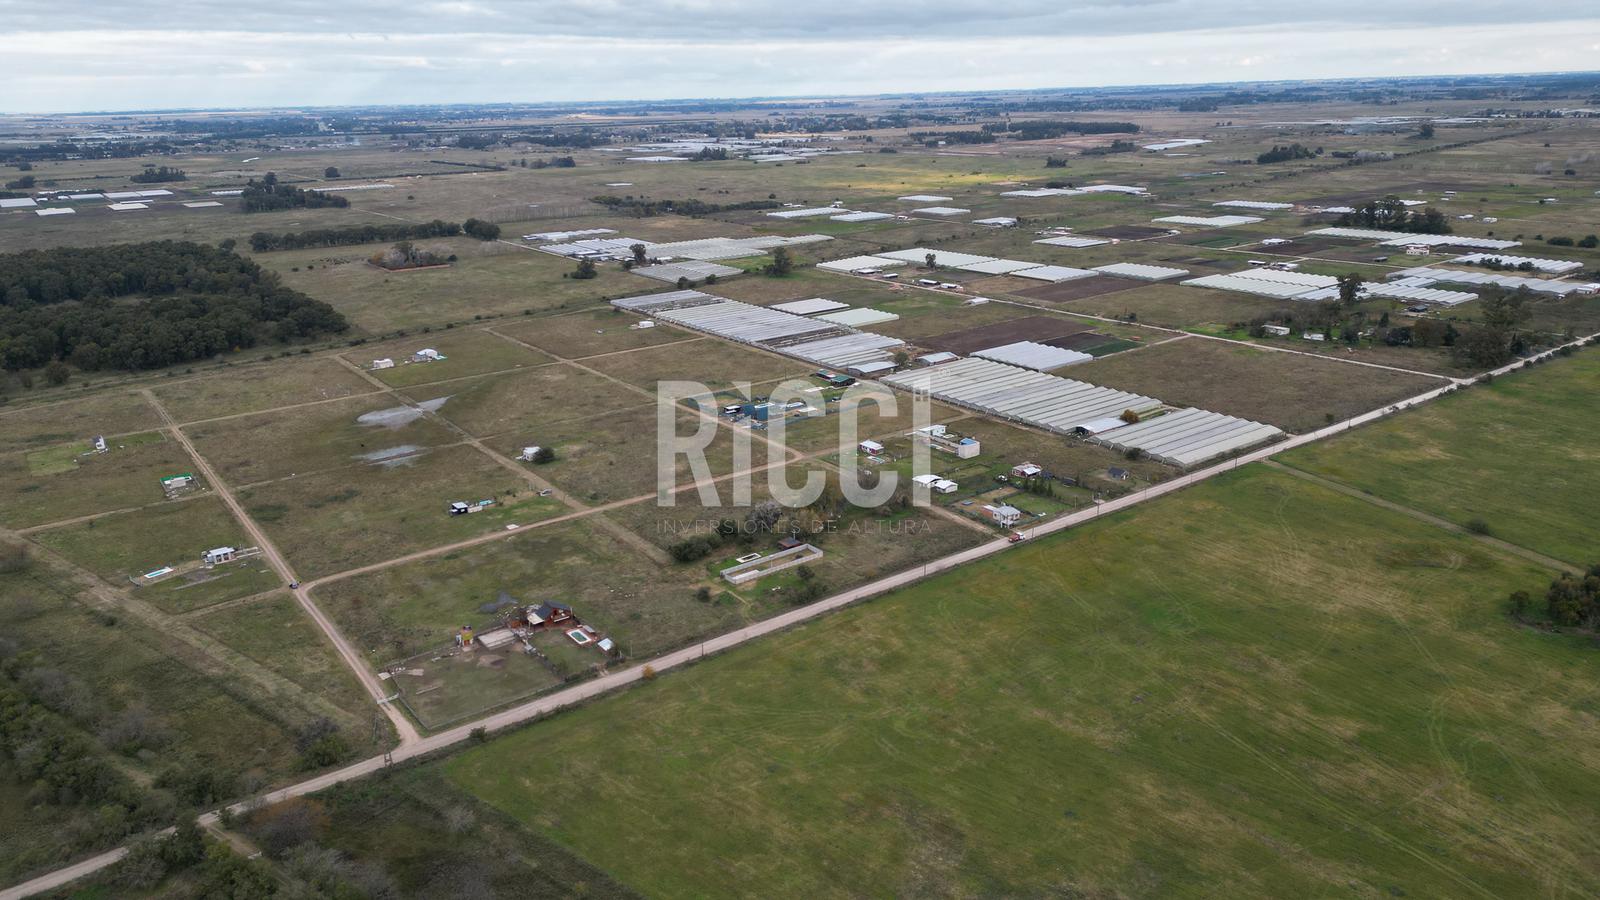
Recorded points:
(296,53)
(705,20)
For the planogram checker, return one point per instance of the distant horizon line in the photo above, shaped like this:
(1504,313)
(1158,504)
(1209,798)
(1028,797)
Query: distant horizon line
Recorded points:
(757,98)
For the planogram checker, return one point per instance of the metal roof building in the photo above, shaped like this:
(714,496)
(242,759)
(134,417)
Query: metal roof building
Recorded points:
(807,213)
(1030,355)
(1141,271)
(940,257)
(1054,274)
(1072,240)
(1042,192)
(861,216)
(1045,401)
(1402,238)
(809,307)
(942,210)
(1266,283)
(1210,221)
(1187,436)
(1421,274)
(855,263)
(1253,204)
(694,270)
(1552,266)
(997,266)
(652,303)
(997,221)
(925,198)
(861,315)
(844,351)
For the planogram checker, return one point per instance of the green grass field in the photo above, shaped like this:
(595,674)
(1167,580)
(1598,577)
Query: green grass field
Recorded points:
(1259,684)
(1522,455)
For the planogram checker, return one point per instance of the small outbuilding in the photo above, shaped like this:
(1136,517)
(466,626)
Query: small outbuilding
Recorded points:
(1026,470)
(1004,515)
(871,448)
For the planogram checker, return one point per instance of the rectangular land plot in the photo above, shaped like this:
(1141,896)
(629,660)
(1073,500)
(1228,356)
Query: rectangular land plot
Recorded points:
(464,351)
(361,431)
(488,278)
(1520,455)
(613,457)
(277,634)
(122,548)
(339,520)
(1294,392)
(407,609)
(125,476)
(110,413)
(526,402)
(717,364)
(1029,328)
(1140,697)
(576,335)
(260,386)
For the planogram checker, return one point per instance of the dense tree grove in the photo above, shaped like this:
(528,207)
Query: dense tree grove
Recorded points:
(406,255)
(483,231)
(261,241)
(190,301)
(268,195)
(154,175)
(1390,214)
(1284,154)
(1574,601)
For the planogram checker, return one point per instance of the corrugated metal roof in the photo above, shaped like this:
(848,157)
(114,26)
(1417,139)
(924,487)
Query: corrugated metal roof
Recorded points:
(1045,401)
(851,264)
(1072,240)
(861,217)
(692,269)
(807,213)
(1054,273)
(1030,355)
(942,210)
(1141,271)
(1210,221)
(809,307)
(1554,266)
(941,257)
(1188,436)
(861,315)
(925,198)
(997,266)
(1253,204)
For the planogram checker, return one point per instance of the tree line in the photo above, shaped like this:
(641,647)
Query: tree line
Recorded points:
(261,241)
(190,301)
(1571,601)
(1043,129)
(644,208)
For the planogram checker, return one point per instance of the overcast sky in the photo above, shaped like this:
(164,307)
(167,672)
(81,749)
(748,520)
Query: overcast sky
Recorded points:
(69,55)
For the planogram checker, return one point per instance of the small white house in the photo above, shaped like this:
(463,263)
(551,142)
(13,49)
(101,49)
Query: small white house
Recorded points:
(218,555)
(99,444)
(944,486)
(1418,249)
(426,354)
(871,448)
(1276,330)
(384,363)
(528,453)
(1004,515)
(1313,336)
(1025,470)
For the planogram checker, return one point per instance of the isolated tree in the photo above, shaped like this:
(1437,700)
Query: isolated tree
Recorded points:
(782,262)
(1426,131)
(1350,292)
(483,231)
(931,260)
(586,269)
(330,172)
(638,252)
(544,455)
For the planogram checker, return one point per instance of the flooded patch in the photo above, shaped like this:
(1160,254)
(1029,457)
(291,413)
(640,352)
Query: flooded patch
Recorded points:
(388,457)
(400,416)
